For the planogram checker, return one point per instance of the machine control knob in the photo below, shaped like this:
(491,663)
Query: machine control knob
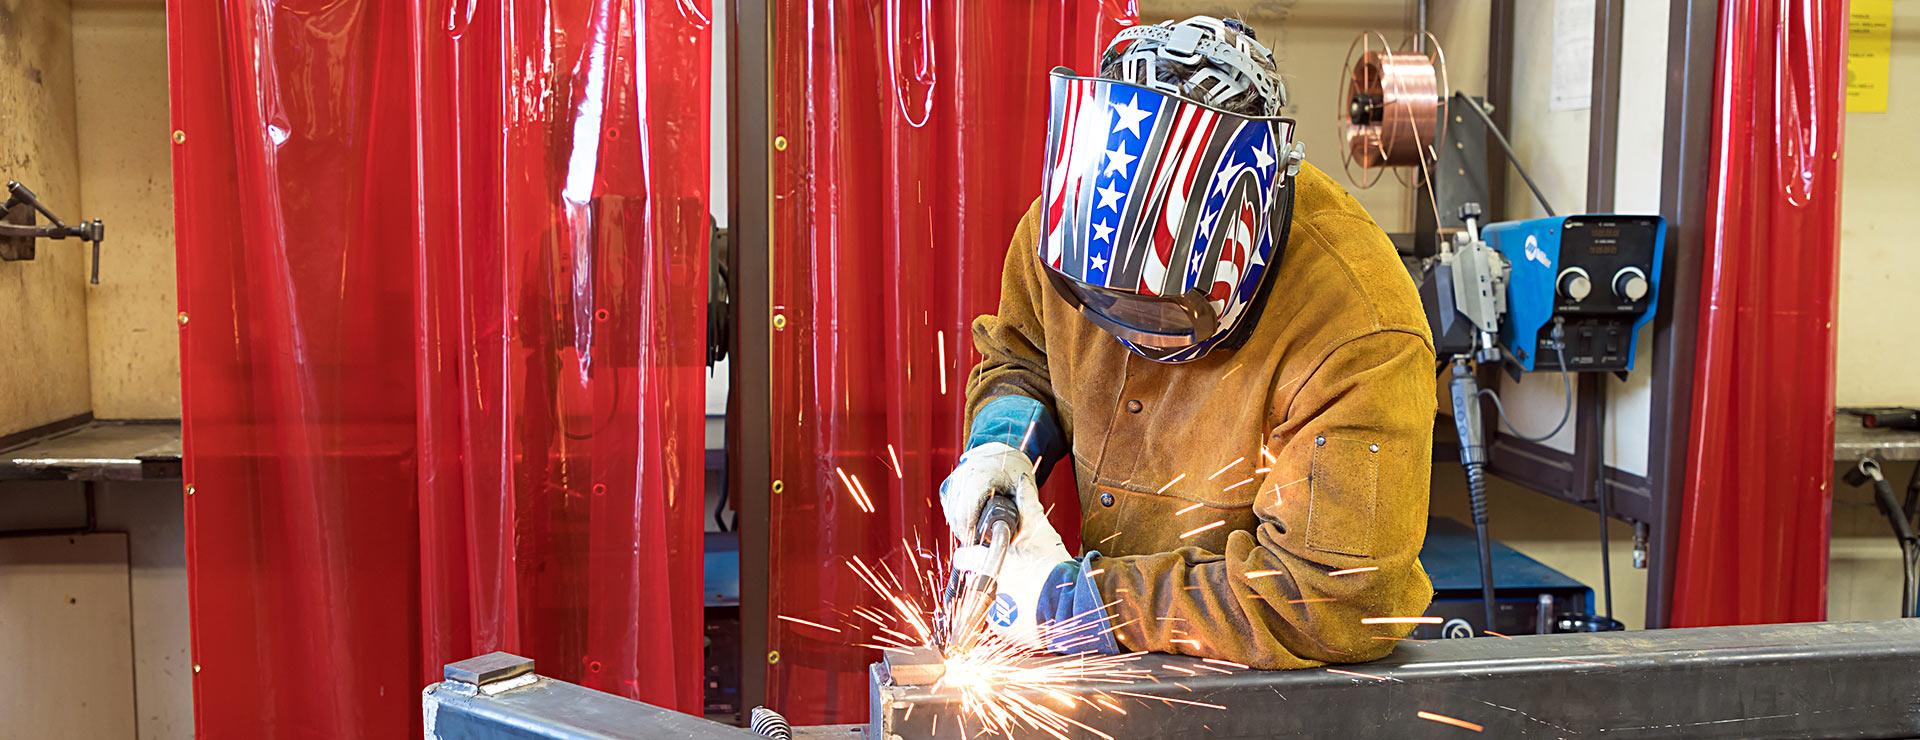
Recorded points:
(1574,284)
(1630,284)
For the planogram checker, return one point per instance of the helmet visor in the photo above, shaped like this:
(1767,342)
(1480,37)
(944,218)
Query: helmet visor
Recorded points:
(1161,322)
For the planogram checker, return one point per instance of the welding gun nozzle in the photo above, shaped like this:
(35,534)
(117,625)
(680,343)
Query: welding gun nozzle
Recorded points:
(969,613)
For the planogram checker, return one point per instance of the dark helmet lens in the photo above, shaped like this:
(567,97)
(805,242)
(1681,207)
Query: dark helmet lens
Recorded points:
(1146,320)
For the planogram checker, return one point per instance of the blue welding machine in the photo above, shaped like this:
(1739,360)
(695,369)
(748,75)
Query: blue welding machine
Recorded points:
(1598,274)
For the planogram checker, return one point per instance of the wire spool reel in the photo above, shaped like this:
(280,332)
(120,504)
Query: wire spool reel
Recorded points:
(1392,106)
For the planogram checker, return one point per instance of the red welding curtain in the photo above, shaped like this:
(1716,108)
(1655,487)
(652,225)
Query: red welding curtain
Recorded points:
(912,135)
(1756,509)
(442,274)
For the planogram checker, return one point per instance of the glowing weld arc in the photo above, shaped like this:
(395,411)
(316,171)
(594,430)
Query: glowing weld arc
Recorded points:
(1236,461)
(1168,699)
(1445,720)
(941,344)
(896,462)
(1357,674)
(1203,528)
(815,625)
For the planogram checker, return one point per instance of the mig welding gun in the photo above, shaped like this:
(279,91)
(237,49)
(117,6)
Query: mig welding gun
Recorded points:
(970,594)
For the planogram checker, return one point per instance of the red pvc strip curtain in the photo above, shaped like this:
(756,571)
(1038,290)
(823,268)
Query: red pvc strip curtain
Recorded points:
(1755,519)
(910,139)
(442,274)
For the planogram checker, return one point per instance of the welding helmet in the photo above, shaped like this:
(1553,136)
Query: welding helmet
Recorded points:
(1162,216)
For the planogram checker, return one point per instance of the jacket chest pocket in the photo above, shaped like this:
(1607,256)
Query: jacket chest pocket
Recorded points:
(1120,522)
(1344,485)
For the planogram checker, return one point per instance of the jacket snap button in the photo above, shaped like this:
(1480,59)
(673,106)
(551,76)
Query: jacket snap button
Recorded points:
(1106,499)
(1320,441)
(1133,407)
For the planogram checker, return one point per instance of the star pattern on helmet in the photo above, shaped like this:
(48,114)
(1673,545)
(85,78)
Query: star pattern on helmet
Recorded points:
(1262,159)
(1128,116)
(1225,178)
(1199,258)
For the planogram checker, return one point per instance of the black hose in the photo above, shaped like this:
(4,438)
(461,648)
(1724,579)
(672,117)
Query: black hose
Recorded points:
(1910,580)
(1600,486)
(720,510)
(1477,499)
(1508,148)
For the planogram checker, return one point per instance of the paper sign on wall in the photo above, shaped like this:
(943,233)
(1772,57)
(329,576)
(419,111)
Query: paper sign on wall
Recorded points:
(1572,56)
(1869,54)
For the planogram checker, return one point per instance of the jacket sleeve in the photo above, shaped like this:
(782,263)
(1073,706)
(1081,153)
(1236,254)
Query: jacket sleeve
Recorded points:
(1013,348)
(1342,512)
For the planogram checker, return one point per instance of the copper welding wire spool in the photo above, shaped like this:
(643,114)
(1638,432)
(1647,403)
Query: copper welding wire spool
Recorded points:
(1391,107)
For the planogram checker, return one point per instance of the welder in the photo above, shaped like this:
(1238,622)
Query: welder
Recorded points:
(1231,354)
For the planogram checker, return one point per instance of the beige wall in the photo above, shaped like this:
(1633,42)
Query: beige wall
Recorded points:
(1879,328)
(120,55)
(83,121)
(1310,39)
(44,334)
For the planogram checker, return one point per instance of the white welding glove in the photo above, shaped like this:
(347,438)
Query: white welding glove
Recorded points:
(994,466)
(1036,551)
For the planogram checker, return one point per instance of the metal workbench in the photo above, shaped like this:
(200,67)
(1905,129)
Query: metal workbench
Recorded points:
(97,451)
(1851,441)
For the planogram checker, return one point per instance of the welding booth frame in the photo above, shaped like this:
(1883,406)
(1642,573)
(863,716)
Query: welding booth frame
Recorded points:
(1652,501)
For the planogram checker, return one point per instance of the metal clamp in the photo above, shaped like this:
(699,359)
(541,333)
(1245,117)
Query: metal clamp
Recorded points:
(18,230)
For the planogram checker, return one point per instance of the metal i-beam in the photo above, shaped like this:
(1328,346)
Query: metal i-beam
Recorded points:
(1800,680)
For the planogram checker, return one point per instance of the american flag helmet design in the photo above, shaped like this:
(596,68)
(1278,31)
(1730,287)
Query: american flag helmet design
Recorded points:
(1151,198)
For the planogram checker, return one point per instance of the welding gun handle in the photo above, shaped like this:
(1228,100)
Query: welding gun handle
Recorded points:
(1465,389)
(999,508)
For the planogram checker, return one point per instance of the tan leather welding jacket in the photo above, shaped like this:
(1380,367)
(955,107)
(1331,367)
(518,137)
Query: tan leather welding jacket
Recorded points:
(1257,504)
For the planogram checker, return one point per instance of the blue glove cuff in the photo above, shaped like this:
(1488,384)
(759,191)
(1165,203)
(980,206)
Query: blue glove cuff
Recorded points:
(1071,613)
(1023,424)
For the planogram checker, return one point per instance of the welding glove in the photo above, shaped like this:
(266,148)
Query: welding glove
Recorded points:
(1046,600)
(1033,555)
(1012,443)
(990,467)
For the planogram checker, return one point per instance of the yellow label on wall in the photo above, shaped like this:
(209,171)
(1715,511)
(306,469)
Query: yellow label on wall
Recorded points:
(1869,54)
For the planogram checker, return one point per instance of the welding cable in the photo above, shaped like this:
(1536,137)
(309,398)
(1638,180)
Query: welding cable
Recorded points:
(1477,502)
(1910,583)
(1508,148)
(1600,492)
(720,511)
(1566,386)
(1912,507)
